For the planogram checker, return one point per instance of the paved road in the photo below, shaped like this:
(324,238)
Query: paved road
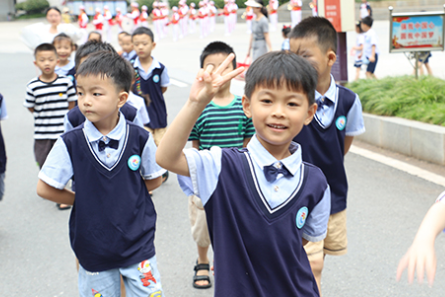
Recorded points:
(385,206)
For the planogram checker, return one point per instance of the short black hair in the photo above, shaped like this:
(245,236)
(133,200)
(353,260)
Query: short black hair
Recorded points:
(217,47)
(279,69)
(286,30)
(317,27)
(368,21)
(52,8)
(62,36)
(143,30)
(90,47)
(45,47)
(125,33)
(358,25)
(111,65)
(95,32)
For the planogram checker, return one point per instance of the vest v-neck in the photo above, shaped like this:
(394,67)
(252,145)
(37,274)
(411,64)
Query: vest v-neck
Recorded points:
(253,184)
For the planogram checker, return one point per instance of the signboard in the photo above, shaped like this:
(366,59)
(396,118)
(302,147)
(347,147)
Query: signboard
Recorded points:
(332,11)
(411,32)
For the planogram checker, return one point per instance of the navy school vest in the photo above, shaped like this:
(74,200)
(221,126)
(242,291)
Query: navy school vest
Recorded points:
(2,146)
(324,147)
(75,116)
(157,110)
(71,74)
(258,251)
(112,223)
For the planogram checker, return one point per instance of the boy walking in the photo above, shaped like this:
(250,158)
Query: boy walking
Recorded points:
(329,136)
(48,98)
(370,47)
(224,124)
(112,160)
(151,83)
(262,203)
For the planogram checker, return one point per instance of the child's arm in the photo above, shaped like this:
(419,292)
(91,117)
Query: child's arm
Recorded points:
(372,58)
(169,154)
(152,184)
(195,144)
(45,191)
(348,143)
(421,255)
(163,89)
(71,105)
(31,109)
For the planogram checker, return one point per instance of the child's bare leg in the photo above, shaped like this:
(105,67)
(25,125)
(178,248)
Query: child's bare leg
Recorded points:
(317,264)
(368,74)
(428,68)
(419,65)
(202,259)
(357,73)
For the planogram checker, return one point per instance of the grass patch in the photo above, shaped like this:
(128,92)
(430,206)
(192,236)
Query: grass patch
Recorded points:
(31,16)
(405,97)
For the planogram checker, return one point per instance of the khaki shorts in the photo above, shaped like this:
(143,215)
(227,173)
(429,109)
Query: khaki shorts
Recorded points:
(157,134)
(198,220)
(336,241)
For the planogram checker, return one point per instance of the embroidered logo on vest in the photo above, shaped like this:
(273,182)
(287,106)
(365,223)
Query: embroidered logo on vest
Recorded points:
(156,78)
(134,162)
(340,123)
(301,217)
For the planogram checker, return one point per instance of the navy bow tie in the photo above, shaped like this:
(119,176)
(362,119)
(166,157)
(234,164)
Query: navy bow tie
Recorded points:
(323,102)
(272,171)
(114,144)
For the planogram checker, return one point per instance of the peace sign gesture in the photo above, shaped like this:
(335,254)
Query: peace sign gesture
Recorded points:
(208,81)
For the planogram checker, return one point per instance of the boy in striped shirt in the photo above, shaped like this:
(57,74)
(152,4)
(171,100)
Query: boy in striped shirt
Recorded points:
(223,124)
(48,97)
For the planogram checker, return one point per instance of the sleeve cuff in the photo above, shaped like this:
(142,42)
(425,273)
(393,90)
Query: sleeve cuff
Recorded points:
(154,175)
(315,238)
(50,181)
(356,133)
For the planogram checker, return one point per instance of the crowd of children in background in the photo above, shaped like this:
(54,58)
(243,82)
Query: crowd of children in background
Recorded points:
(273,147)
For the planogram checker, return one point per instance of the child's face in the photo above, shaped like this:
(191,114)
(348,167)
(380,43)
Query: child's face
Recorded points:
(215,60)
(119,39)
(127,45)
(98,98)
(278,115)
(46,61)
(310,49)
(94,36)
(365,27)
(64,49)
(143,45)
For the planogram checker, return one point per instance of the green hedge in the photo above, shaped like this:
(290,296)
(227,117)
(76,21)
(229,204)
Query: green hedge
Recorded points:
(32,6)
(405,97)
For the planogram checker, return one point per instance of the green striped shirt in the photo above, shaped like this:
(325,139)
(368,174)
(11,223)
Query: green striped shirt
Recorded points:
(223,126)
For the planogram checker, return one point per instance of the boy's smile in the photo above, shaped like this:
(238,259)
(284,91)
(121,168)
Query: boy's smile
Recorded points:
(278,116)
(99,100)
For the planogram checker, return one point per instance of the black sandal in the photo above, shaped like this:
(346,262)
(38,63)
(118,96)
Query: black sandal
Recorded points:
(59,206)
(201,277)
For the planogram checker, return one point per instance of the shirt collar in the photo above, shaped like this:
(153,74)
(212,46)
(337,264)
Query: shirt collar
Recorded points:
(154,64)
(117,133)
(129,55)
(68,66)
(263,158)
(330,94)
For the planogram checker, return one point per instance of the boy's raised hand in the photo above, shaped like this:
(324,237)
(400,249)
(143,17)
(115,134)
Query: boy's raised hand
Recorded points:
(208,81)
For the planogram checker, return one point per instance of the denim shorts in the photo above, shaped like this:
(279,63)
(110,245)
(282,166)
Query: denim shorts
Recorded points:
(140,279)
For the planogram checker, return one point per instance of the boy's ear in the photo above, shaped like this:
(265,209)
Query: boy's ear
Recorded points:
(35,63)
(123,96)
(154,45)
(246,106)
(310,113)
(332,57)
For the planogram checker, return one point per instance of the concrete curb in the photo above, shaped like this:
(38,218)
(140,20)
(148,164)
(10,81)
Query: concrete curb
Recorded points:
(422,141)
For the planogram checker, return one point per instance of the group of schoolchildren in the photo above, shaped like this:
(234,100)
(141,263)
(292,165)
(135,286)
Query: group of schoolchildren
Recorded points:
(265,178)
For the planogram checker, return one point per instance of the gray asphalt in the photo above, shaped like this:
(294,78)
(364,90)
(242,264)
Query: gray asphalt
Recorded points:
(385,209)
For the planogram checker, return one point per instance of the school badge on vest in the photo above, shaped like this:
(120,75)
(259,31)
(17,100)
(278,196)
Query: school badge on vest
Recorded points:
(340,123)
(71,77)
(156,78)
(134,162)
(301,217)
